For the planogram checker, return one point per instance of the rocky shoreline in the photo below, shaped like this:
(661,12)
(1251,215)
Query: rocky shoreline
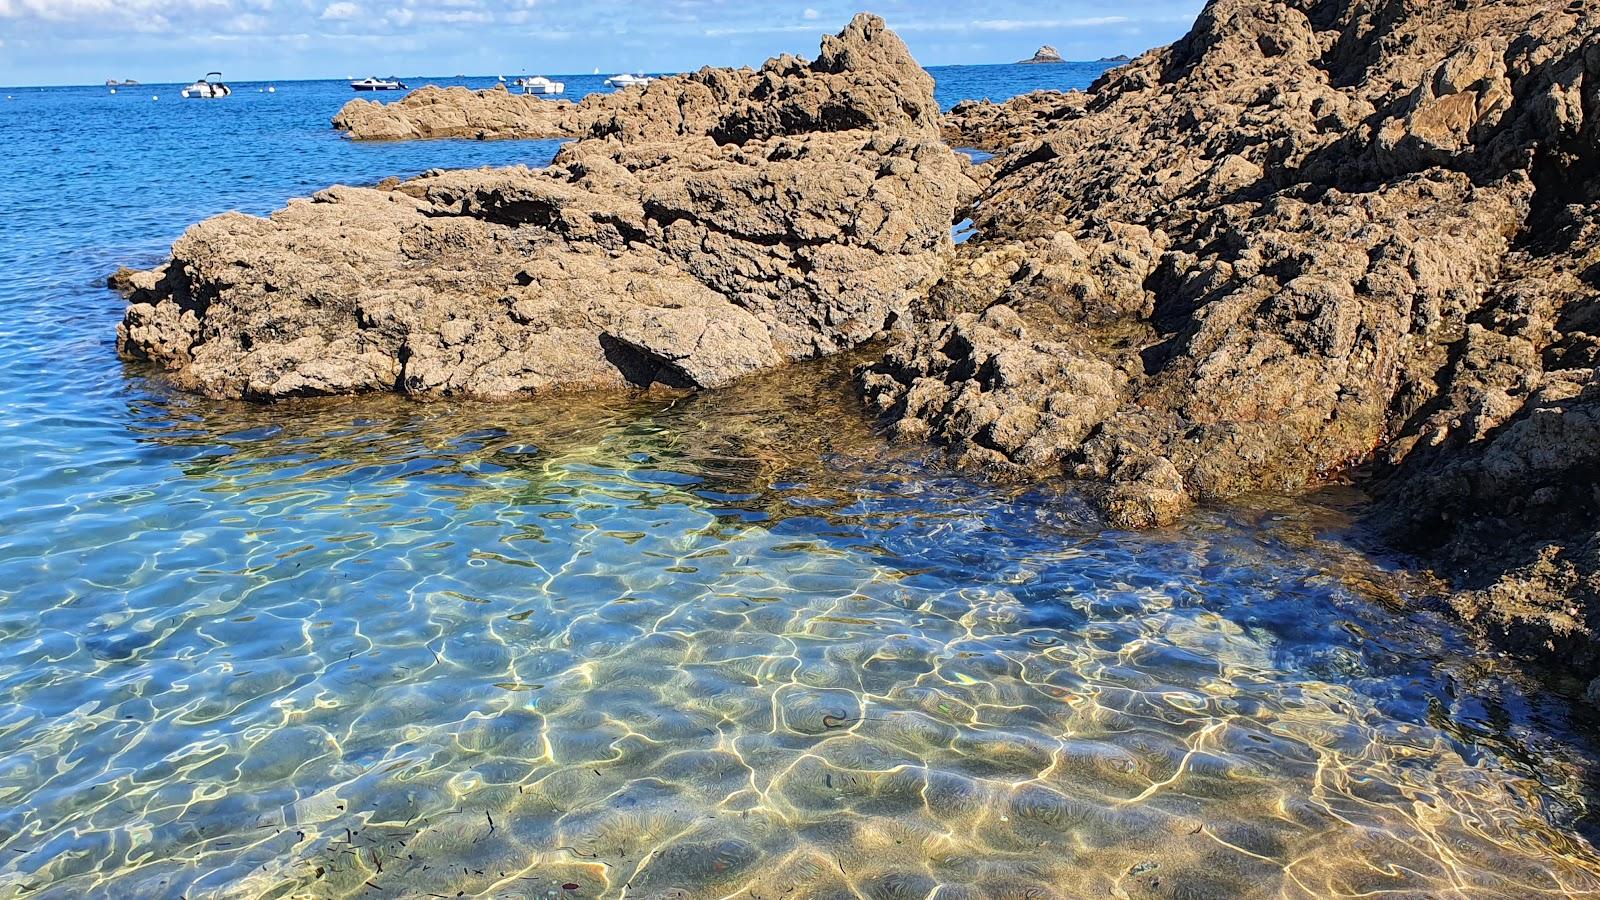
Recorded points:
(1308,237)
(1311,238)
(863,79)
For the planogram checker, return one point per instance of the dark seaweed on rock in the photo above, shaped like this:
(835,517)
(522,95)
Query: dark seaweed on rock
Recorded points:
(1309,234)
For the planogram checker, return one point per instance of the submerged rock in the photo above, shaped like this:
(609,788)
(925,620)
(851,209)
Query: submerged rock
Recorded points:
(1311,233)
(864,77)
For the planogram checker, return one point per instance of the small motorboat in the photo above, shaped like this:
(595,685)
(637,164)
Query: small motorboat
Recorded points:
(539,84)
(207,88)
(374,83)
(622,81)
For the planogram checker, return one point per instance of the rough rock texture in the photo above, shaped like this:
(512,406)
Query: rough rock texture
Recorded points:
(863,78)
(684,264)
(997,127)
(1045,54)
(455,112)
(706,228)
(1311,234)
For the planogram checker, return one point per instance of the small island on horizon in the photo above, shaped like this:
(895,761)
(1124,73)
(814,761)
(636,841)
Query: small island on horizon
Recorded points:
(1044,55)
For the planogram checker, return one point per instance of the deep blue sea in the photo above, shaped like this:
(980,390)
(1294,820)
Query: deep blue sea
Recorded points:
(725,645)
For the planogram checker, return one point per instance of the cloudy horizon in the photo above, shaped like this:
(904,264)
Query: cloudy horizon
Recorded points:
(52,42)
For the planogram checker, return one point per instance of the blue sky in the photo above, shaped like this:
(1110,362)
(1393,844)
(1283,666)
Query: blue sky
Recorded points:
(88,41)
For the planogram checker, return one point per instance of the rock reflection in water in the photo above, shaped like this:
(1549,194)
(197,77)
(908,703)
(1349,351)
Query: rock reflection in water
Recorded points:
(722,645)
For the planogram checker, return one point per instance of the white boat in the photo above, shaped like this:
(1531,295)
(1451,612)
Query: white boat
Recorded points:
(539,84)
(208,88)
(622,81)
(374,83)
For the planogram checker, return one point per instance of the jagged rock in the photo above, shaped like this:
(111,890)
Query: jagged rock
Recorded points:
(864,77)
(707,226)
(996,127)
(1045,54)
(1309,234)
(433,112)
(685,264)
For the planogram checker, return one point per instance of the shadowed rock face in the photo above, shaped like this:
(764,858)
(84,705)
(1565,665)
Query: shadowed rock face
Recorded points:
(1310,234)
(716,225)
(863,78)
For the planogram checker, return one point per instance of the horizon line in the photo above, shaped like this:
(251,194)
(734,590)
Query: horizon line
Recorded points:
(497,75)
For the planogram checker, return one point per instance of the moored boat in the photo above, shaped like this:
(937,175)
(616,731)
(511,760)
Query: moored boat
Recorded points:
(207,88)
(374,83)
(539,84)
(625,80)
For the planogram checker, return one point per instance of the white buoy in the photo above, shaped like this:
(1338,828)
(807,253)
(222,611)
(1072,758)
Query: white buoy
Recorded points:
(154,97)
(113,90)
(272,90)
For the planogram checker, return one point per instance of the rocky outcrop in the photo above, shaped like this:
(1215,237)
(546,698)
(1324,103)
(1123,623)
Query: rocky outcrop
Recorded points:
(746,240)
(1309,235)
(457,112)
(997,127)
(863,78)
(1046,54)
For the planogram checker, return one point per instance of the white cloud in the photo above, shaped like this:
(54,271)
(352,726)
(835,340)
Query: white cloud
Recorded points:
(247,23)
(131,10)
(343,11)
(810,14)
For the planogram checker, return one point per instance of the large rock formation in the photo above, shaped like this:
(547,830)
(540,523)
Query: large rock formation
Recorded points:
(1044,55)
(997,127)
(455,112)
(863,78)
(1310,234)
(792,226)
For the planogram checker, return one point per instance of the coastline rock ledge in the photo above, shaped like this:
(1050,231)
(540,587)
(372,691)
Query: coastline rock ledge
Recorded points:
(792,226)
(1310,236)
(863,78)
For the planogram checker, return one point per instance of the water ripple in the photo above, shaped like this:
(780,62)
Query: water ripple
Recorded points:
(721,645)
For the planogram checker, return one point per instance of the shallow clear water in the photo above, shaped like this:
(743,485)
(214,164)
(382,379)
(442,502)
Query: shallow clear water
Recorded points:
(722,645)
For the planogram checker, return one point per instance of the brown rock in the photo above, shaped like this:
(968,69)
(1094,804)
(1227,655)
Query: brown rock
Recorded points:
(864,78)
(1306,234)
(456,112)
(685,264)
(996,127)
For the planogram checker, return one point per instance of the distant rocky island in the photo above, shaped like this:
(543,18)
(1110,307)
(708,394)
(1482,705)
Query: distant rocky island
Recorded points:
(1045,54)
(1119,58)
(1178,291)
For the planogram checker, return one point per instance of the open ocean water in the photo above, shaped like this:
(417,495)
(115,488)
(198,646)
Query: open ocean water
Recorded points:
(724,645)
